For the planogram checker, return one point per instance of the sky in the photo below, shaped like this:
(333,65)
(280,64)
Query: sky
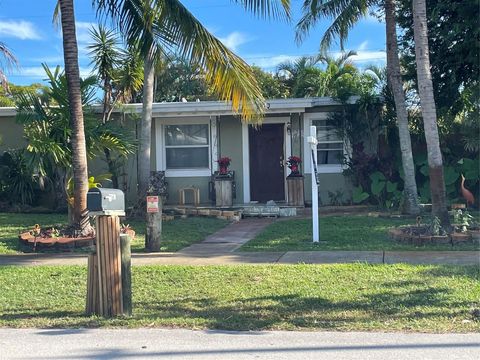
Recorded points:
(27,29)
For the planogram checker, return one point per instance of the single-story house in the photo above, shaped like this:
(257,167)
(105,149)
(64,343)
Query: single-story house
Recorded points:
(189,138)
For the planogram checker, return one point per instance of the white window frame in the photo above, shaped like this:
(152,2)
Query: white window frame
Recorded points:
(161,147)
(308,120)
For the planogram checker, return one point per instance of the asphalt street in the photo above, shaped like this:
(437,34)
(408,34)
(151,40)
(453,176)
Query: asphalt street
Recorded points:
(179,344)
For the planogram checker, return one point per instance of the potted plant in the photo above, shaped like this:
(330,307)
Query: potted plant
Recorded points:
(224,183)
(293,163)
(295,182)
(224,163)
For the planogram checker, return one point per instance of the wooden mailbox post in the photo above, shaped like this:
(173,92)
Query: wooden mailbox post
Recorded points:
(104,284)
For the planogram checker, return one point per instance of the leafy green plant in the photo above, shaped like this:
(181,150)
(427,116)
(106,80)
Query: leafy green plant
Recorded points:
(17,180)
(336,198)
(358,195)
(436,226)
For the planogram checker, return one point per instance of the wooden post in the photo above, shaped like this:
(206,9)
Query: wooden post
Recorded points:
(93,303)
(126,274)
(109,265)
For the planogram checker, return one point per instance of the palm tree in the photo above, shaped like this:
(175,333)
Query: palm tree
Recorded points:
(345,14)
(163,24)
(7,59)
(396,85)
(79,153)
(429,114)
(112,65)
(46,124)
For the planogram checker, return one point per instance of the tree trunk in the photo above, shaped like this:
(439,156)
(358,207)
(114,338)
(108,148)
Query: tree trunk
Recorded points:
(410,192)
(427,102)
(145,139)
(79,153)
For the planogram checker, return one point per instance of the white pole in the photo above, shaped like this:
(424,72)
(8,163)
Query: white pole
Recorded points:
(312,140)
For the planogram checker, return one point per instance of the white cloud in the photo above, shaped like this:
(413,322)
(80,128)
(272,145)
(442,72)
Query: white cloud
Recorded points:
(23,30)
(39,72)
(234,40)
(269,62)
(83,31)
(363,46)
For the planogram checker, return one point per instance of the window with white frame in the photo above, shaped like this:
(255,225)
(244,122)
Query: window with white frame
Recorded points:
(330,148)
(187,146)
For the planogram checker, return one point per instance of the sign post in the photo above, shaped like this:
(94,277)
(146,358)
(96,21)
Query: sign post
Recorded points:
(153,235)
(312,140)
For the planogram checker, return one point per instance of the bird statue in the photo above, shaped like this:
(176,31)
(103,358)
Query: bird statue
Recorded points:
(467,194)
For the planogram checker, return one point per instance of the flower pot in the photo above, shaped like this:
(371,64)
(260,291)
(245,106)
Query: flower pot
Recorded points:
(295,196)
(223,192)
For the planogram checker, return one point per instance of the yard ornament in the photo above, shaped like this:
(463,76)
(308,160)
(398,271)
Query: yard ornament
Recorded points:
(467,195)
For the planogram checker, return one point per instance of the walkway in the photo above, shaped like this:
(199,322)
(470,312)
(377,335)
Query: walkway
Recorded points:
(233,345)
(219,249)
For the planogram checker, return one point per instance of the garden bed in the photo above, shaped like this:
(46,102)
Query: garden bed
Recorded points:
(420,236)
(51,236)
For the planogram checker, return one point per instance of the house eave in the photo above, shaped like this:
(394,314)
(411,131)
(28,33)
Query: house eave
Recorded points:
(214,108)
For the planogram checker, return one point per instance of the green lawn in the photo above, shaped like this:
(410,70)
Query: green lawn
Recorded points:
(249,297)
(176,234)
(350,232)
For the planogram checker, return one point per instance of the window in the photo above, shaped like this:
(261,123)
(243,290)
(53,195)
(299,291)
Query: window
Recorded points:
(187,146)
(330,144)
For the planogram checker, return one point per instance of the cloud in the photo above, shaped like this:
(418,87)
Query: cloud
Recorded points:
(269,61)
(83,31)
(234,40)
(39,73)
(363,46)
(23,30)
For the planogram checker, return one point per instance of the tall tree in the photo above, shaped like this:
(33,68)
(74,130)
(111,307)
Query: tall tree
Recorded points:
(345,14)
(429,114)
(163,24)
(396,85)
(79,153)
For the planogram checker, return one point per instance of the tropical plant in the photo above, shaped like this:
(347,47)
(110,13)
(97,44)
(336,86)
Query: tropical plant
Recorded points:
(17,180)
(7,60)
(111,64)
(344,15)
(48,132)
(425,91)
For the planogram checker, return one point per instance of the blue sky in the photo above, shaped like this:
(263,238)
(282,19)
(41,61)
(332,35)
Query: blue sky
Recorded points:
(27,29)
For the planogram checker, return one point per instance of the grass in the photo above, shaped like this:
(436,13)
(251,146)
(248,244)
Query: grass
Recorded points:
(253,297)
(177,234)
(352,232)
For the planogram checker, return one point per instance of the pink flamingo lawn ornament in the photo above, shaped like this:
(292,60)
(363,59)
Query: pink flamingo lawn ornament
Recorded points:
(467,194)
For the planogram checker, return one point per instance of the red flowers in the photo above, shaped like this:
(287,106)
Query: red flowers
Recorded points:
(292,163)
(224,163)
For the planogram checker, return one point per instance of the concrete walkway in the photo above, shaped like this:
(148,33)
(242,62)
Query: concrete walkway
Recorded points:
(219,249)
(132,344)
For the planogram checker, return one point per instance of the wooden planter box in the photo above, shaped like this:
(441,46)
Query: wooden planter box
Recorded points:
(223,192)
(295,195)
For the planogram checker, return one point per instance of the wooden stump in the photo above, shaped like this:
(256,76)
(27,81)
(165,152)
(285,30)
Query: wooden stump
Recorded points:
(109,265)
(295,191)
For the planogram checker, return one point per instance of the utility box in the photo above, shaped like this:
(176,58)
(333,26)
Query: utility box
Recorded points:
(104,201)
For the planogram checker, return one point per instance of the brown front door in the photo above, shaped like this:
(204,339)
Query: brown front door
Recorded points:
(267,174)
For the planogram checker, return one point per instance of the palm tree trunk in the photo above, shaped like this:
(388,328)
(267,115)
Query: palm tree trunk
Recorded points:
(79,153)
(146,128)
(429,114)
(396,84)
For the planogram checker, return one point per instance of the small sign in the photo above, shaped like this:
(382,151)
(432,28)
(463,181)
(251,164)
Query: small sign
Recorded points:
(152,204)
